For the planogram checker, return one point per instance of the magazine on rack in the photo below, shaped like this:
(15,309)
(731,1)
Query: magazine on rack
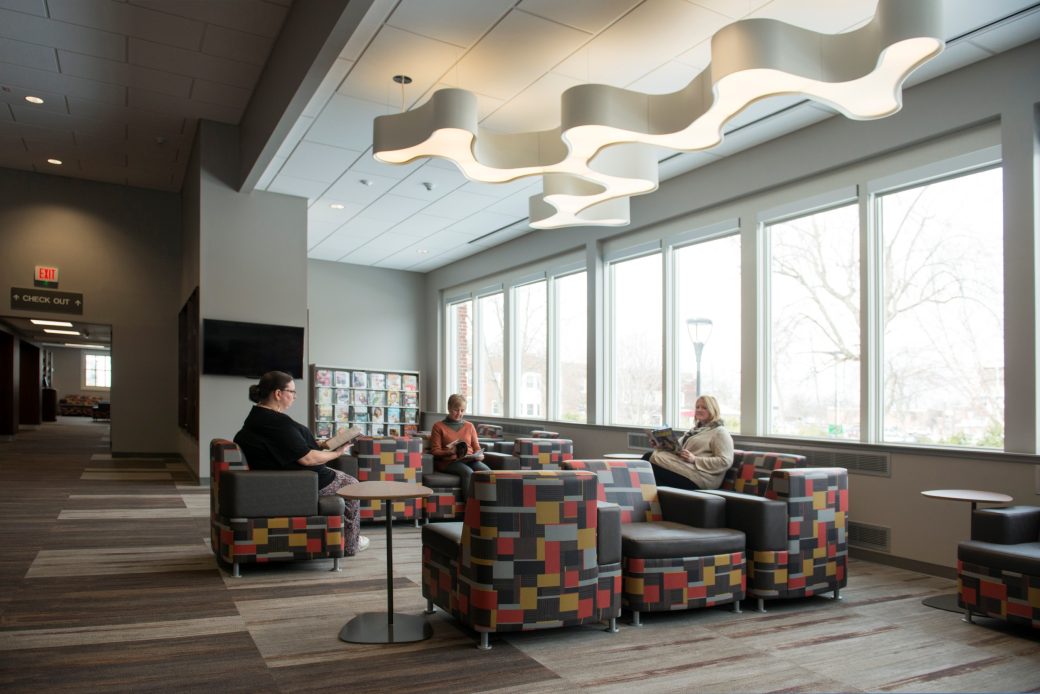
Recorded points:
(342,437)
(663,439)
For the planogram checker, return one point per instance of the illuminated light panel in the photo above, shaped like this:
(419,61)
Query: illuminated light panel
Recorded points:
(602,153)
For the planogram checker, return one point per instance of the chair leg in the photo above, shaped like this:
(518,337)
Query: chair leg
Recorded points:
(416,522)
(612,625)
(736,607)
(967,616)
(761,605)
(837,593)
(335,564)
(635,619)
(234,570)
(485,642)
(430,609)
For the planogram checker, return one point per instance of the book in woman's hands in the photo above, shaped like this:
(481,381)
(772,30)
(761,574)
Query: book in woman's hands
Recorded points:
(663,439)
(342,437)
(461,455)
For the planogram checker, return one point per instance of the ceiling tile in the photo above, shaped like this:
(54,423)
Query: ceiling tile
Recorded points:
(346,122)
(25,27)
(535,108)
(319,162)
(183,62)
(252,16)
(591,16)
(644,39)
(124,18)
(236,45)
(321,210)
(220,94)
(367,164)
(398,52)
(62,84)
(367,29)
(296,133)
(319,230)
(28,55)
(272,170)
(486,105)
(350,188)
(440,181)
(503,190)
(153,101)
(113,72)
(300,187)
(36,7)
(482,223)
(420,226)
(51,101)
(519,50)
(459,205)
(459,22)
(61,121)
(670,77)
(734,9)
(394,208)
(329,84)
(516,205)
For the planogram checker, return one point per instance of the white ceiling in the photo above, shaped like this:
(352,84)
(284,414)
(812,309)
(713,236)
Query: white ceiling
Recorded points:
(125,82)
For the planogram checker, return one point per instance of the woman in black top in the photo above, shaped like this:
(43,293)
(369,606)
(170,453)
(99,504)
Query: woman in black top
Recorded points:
(272,440)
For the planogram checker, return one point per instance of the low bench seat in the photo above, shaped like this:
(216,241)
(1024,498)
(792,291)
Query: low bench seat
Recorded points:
(665,539)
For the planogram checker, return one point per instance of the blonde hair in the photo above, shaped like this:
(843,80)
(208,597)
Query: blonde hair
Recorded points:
(456,400)
(711,404)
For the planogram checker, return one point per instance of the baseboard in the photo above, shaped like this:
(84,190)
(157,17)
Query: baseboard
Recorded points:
(903,563)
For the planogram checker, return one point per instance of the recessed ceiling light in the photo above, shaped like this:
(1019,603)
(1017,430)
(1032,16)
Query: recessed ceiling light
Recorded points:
(59,323)
(402,79)
(82,346)
(336,206)
(54,331)
(422,251)
(34,99)
(365,182)
(56,162)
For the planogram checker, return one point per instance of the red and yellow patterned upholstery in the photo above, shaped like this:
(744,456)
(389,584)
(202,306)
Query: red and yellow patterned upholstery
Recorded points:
(525,557)
(390,459)
(541,454)
(751,470)
(304,534)
(654,584)
(816,558)
(998,569)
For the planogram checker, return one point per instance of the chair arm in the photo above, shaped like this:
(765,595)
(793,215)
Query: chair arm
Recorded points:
(608,533)
(1006,526)
(763,521)
(346,463)
(334,505)
(501,461)
(268,493)
(692,508)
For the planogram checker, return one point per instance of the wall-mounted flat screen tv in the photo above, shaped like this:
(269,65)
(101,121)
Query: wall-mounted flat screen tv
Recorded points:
(232,348)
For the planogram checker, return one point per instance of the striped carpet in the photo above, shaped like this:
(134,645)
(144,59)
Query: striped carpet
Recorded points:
(109,585)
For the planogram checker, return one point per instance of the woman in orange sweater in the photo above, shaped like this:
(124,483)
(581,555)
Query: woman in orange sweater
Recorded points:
(454,444)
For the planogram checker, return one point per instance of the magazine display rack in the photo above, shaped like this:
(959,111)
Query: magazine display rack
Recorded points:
(382,402)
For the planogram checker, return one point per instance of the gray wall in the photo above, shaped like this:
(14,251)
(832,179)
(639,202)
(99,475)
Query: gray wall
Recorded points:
(68,363)
(1003,90)
(366,317)
(120,248)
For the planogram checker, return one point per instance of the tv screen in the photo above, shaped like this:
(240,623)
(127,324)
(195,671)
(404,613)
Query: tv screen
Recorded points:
(232,348)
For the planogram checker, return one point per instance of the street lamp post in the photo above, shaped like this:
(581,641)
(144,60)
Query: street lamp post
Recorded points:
(699,330)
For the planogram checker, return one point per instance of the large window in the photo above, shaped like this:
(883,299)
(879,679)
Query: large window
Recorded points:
(97,371)
(814,309)
(571,347)
(636,341)
(531,318)
(943,366)
(490,387)
(460,348)
(707,328)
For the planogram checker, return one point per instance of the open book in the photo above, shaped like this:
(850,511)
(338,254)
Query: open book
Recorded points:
(342,437)
(463,457)
(663,439)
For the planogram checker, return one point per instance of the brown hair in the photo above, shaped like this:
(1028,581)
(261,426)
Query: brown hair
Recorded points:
(456,400)
(269,383)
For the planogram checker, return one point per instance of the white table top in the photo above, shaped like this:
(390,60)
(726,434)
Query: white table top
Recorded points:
(973,495)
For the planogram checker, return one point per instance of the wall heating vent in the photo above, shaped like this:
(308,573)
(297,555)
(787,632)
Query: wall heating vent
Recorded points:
(866,536)
(877,464)
(639,441)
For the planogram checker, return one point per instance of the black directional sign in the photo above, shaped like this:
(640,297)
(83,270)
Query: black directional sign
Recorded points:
(41,300)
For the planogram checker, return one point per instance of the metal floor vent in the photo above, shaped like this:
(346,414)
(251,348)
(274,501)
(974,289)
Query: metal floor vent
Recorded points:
(866,536)
(638,441)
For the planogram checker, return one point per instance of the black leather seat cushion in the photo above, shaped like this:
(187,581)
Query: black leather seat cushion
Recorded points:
(666,540)
(441,480)
(1021,558)
(443,538)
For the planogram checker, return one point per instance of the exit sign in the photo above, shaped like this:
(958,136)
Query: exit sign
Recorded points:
(46,277)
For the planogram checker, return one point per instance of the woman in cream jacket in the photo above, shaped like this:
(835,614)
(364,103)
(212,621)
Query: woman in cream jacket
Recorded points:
(704,455)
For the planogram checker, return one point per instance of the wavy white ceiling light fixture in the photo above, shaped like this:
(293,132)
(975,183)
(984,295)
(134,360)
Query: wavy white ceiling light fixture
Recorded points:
(602,152)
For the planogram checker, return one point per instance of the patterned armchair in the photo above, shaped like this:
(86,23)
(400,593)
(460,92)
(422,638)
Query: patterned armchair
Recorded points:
(269,515)
(391,459)
(998,570)
(750,471)
(532,454)
(796,533)
(676,551)
(536,551)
